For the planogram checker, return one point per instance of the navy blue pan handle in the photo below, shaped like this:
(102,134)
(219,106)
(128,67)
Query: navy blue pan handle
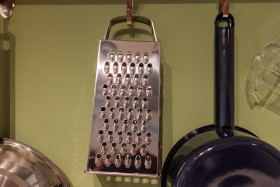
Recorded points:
(224,75)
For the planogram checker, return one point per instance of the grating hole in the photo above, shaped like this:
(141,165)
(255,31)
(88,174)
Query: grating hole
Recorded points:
(108,156)
(98,155)
(104,144)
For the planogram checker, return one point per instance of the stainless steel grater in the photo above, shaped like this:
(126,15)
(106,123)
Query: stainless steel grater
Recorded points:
(124,137)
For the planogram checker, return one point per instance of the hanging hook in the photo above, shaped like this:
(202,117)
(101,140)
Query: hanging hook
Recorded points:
(224,7)
(6,8)
(129,4)
(221,5)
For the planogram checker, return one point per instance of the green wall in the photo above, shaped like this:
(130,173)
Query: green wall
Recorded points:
(53,52)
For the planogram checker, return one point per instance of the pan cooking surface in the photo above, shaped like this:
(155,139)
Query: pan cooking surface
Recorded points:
(238,161)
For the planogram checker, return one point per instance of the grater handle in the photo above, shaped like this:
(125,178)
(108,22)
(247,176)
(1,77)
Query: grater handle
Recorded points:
(135,18)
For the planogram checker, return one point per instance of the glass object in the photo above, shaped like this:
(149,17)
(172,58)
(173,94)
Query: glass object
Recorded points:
(263,81)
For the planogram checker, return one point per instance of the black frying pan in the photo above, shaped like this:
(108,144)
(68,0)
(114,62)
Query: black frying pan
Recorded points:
(222,155)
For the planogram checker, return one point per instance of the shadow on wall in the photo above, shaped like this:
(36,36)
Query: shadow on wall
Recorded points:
(114,181)
(7,81)
(166,118)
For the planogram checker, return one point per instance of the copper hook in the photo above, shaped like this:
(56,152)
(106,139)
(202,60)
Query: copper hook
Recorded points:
(224,7)
(129,4)
(6,8)
(221,5)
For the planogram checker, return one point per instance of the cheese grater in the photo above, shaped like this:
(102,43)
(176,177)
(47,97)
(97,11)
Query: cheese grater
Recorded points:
(124,137)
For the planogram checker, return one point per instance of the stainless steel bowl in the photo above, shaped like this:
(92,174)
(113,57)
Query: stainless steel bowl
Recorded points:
(24,166)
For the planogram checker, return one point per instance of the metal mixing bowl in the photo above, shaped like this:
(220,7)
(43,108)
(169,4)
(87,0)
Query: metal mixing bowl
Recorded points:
(24,166)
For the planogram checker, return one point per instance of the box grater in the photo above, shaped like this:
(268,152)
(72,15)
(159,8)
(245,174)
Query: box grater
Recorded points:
(124,137)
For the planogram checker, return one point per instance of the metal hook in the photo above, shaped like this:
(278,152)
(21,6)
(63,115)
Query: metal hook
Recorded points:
(221,5)
(224,7)
(129,4)
(6,8)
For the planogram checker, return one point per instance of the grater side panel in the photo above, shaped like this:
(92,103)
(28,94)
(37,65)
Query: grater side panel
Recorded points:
(104,137)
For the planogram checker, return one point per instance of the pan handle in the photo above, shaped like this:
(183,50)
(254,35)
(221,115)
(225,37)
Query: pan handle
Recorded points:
(135,18)
(224,75)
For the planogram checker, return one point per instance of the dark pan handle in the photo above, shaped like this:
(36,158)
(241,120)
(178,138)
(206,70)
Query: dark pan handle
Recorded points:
(224,75)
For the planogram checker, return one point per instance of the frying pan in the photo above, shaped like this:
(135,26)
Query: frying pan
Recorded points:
(222,155)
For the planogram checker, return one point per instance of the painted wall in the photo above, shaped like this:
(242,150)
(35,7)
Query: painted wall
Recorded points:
(53,51)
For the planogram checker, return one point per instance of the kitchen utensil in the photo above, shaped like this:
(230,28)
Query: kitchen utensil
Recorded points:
(125,120)
(222,155)
(263,81)
(22,166)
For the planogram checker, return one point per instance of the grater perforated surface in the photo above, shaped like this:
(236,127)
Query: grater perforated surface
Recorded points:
(125,122)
